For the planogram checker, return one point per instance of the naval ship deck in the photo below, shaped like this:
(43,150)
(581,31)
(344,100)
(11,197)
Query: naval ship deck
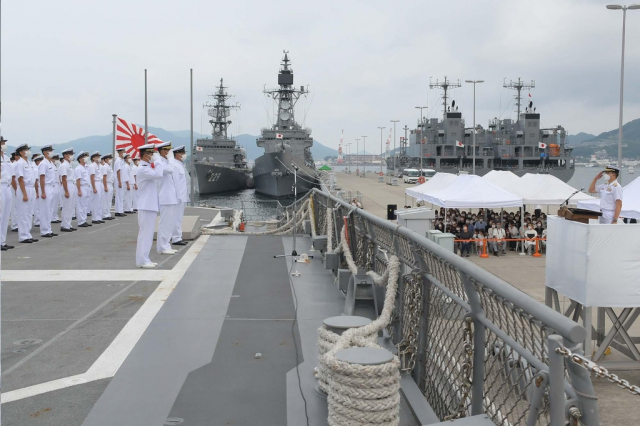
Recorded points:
(88,339)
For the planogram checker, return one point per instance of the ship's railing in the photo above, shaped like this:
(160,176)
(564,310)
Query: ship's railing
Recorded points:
(471,342)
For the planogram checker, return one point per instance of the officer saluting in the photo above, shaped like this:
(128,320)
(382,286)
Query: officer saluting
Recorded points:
(610,194)
(149,172)
(168,199)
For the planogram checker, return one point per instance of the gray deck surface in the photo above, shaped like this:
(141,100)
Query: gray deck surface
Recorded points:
(195,361)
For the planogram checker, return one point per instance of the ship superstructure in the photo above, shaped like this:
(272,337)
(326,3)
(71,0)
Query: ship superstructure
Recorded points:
(287,145)
(220,163)
(521,146)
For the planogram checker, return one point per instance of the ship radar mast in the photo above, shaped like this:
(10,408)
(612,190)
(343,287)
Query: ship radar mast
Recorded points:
(219,112)
(518,86)
(286,95)
(445,86)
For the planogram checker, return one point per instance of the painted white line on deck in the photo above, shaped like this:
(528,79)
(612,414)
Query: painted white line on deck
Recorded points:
(112,358)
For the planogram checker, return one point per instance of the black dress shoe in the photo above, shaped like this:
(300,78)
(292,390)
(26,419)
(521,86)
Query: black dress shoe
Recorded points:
(89,214)
(27,241)
(73,218)
(53,234)
(65,230)
(135,210)
(34,240)
(36,226)
(107,218)
(95,222)
(128,212)
(9,247)
(179,243)
(74,229)
(84,225)
(120,214)
(3,248)
(14,230)
(56,221)
(46,236)
(102,221)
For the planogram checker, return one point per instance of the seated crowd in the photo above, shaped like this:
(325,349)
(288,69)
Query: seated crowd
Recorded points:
(472,226)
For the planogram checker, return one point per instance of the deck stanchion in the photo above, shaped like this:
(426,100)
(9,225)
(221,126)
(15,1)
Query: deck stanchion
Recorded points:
(484,250)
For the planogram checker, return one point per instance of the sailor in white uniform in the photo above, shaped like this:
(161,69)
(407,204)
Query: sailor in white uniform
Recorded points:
(26,194)
(108,194)
(120,182)
(14,213)
(168,199)
(68,191)
(610,194)
(35,208)
(180,180)
(97,188)
(128,195)
(55,202)
(134,197)
(47,177)
(83,184)
(150,173)
(7,183)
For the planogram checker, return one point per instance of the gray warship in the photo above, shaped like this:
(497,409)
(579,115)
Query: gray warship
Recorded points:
(287,146)
(521,146)
(220,163)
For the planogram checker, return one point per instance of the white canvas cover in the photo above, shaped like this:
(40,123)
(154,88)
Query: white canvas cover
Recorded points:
(506,180)
(630,201)
(437,182)
(596,265)
(469,191)
(546,189)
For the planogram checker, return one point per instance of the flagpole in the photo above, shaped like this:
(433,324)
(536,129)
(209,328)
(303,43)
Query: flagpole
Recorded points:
(114,137)
(146,130)
(193,175)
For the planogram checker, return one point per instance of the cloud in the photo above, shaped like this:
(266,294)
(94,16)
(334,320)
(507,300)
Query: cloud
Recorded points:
(67,66)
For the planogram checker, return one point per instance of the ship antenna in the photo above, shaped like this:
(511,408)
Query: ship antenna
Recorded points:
(518,86)
(445,86)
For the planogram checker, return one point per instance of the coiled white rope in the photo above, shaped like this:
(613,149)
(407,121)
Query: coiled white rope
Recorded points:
(329,229)
(360,395)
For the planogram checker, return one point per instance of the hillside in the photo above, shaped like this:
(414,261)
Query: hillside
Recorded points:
(104,143)
(579,138)
(609,142)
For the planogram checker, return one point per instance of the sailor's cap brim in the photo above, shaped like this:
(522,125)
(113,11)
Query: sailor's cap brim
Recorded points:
(612,168)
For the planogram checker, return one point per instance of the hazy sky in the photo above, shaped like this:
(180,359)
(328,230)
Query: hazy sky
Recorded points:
(68,65)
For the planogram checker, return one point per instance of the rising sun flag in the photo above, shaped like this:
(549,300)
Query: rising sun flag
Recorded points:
(131,137)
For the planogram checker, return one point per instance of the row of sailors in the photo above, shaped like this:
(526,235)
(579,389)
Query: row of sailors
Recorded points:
(35,186)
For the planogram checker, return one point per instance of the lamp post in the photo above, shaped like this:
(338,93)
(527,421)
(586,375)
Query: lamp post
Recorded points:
(357,154)
(348,145)
(381,156)
(474,121)
(624,19)
(394,146)
(364,150)
(421,131)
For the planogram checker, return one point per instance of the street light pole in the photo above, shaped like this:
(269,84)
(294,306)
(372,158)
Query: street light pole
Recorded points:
(364,151)
(381,156)
(357,154)
(348,145)
(474,121)
(394,146)
(421,132)
(624,19)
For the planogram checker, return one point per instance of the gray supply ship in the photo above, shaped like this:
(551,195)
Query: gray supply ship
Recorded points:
(287,146)
(220,163)
(521,146)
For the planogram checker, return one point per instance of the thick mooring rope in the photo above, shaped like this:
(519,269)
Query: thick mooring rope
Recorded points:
(329,230)
(360,395)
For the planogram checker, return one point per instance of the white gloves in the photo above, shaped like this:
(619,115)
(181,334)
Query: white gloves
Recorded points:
(156,157)
(170,155)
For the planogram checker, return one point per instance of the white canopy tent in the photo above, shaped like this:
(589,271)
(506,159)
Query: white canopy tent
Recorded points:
(437,182)
(630,201)
(469,191)
(544,189)
(506,180)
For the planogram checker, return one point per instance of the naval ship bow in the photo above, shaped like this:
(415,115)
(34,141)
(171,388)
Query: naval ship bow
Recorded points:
(220,163)
(287,146)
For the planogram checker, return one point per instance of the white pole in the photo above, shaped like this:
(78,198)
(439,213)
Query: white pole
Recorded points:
(114,136)
(624,19)
(146,130)
(474,128)
(193,174)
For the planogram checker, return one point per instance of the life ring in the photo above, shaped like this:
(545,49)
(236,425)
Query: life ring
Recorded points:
(421,179)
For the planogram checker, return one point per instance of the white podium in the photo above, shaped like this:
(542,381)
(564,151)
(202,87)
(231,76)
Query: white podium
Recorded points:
(596,266)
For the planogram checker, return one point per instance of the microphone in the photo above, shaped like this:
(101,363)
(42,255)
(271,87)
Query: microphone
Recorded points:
(566,202)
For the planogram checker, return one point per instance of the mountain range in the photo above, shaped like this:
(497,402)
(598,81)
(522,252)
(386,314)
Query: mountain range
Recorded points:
(585,144)
(104,143)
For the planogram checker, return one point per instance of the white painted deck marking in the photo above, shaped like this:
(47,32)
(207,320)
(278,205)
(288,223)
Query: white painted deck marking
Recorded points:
(112,358)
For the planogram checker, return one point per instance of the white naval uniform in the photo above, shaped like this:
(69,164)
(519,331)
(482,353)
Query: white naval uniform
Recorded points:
(134,197)
(68,204)
(55,202)
(14,212)
(46,169)
(147,209)
(107,196)
(6,197)
(180,180)
(128,195)
(119,204)
(82,202)
(24,209)
(35,207)
(96,198)
(168,199)
(609,193)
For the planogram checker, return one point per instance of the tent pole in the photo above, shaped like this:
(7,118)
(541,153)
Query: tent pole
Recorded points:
(521,230)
